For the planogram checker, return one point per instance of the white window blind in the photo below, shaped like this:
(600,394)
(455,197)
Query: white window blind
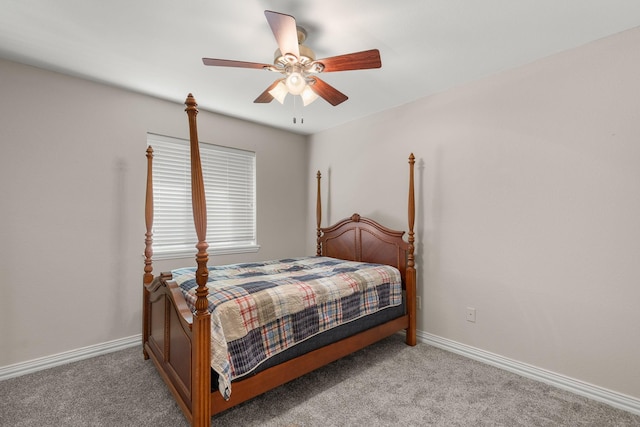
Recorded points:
(229,181)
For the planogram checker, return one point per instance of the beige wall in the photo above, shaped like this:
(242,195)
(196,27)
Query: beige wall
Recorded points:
(527,197)
(528,207)
(72,178)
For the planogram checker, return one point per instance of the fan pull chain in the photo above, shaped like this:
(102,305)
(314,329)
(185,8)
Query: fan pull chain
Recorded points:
(294,109)
(295,120)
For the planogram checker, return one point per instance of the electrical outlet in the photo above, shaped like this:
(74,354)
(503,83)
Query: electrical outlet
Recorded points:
(471,314)
(419,302)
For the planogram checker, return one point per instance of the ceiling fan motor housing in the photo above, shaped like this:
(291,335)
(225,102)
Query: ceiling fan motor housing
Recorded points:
(306,56)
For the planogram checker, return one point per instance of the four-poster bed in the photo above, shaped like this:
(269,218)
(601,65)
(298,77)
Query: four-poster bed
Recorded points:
(181,316)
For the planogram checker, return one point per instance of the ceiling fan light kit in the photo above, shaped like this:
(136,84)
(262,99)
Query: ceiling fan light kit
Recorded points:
(297,63)
(295,81)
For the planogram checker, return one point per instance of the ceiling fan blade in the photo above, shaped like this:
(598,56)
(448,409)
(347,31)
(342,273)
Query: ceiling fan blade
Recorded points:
(285,32)
(230,63)
(265,97)
(330,94)
(352,61)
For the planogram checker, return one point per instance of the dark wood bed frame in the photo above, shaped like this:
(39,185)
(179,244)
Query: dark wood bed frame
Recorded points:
(178,341)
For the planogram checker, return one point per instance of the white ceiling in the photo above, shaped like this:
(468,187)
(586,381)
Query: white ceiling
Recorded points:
(427,46)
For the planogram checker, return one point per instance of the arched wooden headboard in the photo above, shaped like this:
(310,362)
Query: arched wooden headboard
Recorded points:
(363,239)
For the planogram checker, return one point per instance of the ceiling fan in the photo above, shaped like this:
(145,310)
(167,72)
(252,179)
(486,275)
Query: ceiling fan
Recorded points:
(299,66)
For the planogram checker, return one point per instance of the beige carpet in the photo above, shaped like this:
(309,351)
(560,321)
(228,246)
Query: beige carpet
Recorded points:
(387,384)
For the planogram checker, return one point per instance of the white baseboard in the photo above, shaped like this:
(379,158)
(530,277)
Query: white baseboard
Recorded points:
(612,398)
(47,362)
(617,400)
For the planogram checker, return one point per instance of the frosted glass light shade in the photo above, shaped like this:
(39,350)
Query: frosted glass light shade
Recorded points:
(308,95)
(279,92)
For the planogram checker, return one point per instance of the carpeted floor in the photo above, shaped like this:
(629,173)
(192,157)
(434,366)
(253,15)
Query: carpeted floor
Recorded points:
(387,384)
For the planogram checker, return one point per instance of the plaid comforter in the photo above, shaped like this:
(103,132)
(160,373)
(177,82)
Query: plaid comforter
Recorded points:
(260,309)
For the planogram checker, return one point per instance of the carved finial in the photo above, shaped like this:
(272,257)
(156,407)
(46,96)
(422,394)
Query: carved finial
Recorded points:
(355,217)
(191,104)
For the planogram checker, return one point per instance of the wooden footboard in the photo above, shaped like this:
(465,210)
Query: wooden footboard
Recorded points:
(170,337)
(178,341)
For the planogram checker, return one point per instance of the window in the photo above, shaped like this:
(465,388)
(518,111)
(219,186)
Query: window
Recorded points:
(229,180)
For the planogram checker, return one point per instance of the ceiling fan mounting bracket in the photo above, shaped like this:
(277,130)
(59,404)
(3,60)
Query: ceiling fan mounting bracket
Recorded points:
(302,34)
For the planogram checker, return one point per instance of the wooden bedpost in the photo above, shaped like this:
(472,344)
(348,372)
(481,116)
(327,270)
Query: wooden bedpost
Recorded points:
(200,362)
(148,250)
(148,217)
(318,216)
(411,270)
